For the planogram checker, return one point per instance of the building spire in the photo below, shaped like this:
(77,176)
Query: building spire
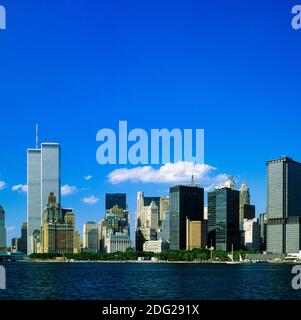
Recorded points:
(37,136)
(192,181)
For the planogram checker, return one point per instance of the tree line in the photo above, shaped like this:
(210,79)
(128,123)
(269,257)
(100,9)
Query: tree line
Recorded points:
(198,255)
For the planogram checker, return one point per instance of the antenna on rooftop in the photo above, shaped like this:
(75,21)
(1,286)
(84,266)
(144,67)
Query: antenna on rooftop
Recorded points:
(37,136)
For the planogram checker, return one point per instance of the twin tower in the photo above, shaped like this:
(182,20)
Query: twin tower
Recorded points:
(43,178)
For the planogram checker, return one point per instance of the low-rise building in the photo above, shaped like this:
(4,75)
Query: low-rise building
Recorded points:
(118,242)
(156,246)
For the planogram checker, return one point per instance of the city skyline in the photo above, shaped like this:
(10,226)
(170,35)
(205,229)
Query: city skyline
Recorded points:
(106,196)
(177,69)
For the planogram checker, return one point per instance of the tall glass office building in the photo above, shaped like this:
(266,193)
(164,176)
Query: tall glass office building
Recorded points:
(223,219)
(185,202)
(284,205)
(43,177)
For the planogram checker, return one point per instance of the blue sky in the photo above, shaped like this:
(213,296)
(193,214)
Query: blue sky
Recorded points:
(230,67)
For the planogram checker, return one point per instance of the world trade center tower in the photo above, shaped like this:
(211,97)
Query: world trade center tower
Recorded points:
(43,177)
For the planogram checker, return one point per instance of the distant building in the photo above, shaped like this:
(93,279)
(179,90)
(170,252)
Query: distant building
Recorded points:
(223,219)
(43,177)
(230,183)
(23,239)
(118,242)
(58,228)
(263,222)
(90,237)
(77,243)
(2,230)
(246,210)
(284,206)
(251,230)
(156,246)
(205,213)
(196,234)
(185,201)
(147,217)
(163,209)
(15,244)
(116,221)
(165,229)
(116,199)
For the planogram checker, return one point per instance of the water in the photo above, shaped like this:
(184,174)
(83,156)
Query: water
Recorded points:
(93,281)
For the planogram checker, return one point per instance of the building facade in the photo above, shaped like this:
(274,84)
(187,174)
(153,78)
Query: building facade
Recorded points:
(90,237)
(156,246)
(196,234)
(116,199)
(223,219)
(148,221)
(58,228)
(251,234)
(23,239)
(43,177)
(184,202)
(284,205)
(263,222)
(118,242)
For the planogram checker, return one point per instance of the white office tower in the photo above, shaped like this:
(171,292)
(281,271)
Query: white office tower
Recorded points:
(140,205)
(43,177)
(150,216)
(2,230)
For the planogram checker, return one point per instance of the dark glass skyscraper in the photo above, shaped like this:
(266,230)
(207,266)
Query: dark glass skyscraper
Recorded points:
(113,199)
(284,205)
(23,239)
(185,202)
(223,219)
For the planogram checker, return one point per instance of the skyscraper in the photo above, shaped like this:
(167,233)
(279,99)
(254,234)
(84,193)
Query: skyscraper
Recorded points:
(185,202)
(148,222)
(23,239)
(2,230)
(58,228)
(113,199)
(263,222)
(90,237)
(148,218)
(251,232)
(246,210)
(223,219)
(284,205)
(43,177)
(164,209)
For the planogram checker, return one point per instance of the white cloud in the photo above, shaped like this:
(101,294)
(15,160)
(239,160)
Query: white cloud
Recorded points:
(67,190)
(88,177)
(2,185)
(10,228)
(171,173)
(19,188)
(90,200)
